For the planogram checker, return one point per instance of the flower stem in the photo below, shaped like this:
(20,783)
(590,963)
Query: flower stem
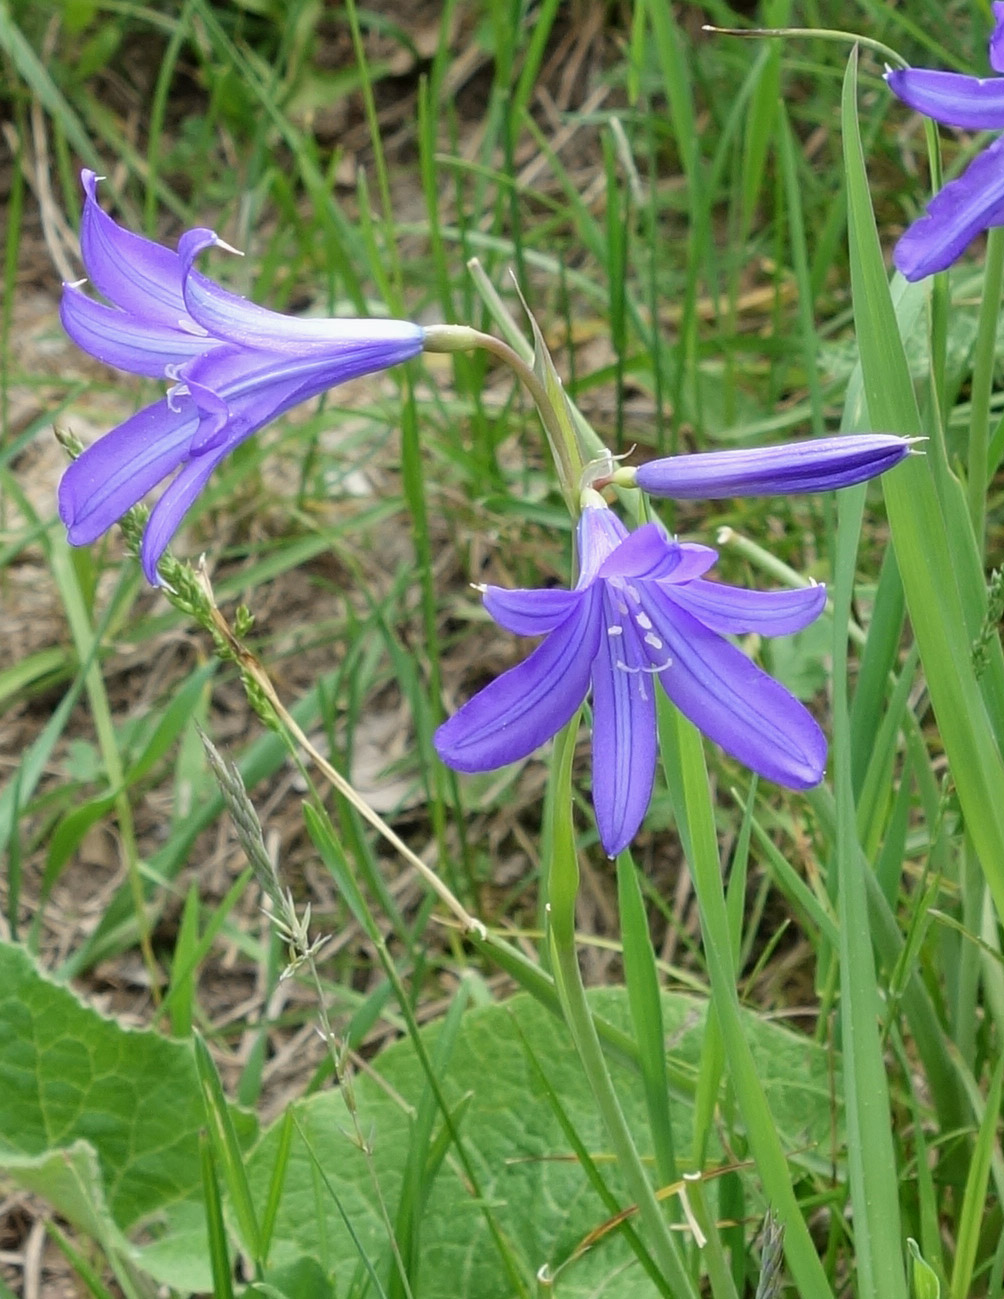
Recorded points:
(253,670)
(79,619)
(817,33)
(563,883)
(689,787)
(565,449)
(984,357)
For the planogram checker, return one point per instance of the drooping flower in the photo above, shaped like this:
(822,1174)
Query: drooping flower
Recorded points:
(232,366)
(974,202)
(814,465)
(640,611)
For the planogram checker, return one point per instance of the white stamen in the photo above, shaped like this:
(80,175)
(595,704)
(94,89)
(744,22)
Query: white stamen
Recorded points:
(643,621)
(74,284)
(179,390)
(171,372)
(653,640)
(647,668)
(621,607)
(615,631)
(633,593)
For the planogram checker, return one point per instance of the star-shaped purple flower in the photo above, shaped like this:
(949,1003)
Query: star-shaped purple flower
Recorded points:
(974,202)
(233,367)
(640,612)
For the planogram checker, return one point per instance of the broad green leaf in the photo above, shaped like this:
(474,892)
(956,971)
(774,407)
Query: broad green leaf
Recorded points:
(121,1109)
(543,1199)
(71,1180)
(103,1121)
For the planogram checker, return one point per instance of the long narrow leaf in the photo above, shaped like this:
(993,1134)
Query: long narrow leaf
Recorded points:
(932,571)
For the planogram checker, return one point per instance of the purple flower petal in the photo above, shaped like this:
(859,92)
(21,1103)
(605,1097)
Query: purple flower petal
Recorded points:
(260,385)
(226,315)
(279,380)
(730,699)
(118,470)
(955,216)
(525,706)
(228,382)
(695,560)
(258,388)
(818,464)
(647,552)
(732,611)
(174,503)
(997,37)
(624,736)
(529,613)
(120,339)
(598,535)
(134,273)
(952,98)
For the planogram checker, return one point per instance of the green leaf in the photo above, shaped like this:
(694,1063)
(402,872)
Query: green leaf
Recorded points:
(103,1121)
(543,1200)
(71,1179)
(924,1283)
(931,532)
(118,1110)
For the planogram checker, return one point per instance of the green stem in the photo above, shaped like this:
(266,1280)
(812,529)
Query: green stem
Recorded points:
(688,780)
(83,638)
(817,33)
(373,123)
(870,1155)
(561,437)
(984,357)
(563,884)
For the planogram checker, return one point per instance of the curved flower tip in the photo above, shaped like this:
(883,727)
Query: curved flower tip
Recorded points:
(233,367)
(813,465)
(963,209)
(640,614)
(975,201)
(952,98)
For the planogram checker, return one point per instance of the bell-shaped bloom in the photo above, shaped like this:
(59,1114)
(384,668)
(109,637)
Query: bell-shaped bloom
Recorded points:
(232,366)
(974,202)
(815,465)
(641,611)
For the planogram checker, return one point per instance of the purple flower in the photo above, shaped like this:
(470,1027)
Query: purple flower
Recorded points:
(233,367)
(974,202)
(815,465)
(640,611)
